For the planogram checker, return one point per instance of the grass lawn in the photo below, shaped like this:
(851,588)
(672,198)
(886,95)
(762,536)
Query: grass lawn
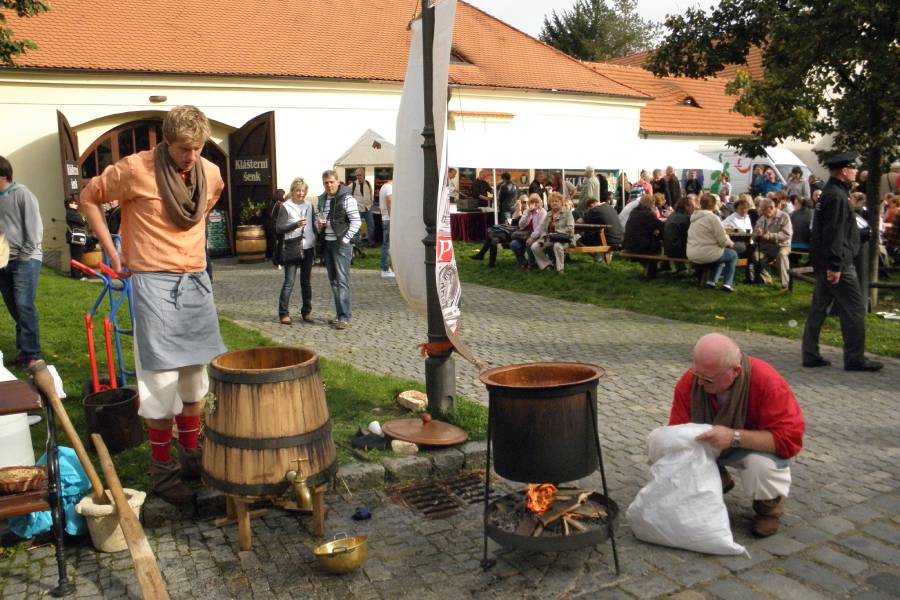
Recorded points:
(754,308)
(354,398)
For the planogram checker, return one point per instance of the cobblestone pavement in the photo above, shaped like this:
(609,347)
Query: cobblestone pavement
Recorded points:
(841,534)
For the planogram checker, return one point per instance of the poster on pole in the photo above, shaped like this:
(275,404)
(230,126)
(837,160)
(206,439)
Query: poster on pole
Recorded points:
(407,250)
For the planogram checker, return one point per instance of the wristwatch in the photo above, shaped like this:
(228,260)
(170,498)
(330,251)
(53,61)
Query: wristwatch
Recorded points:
(736,439)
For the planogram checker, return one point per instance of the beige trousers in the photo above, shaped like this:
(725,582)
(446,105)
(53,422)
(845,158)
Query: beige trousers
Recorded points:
(540,255)
(780,255)
(761,477)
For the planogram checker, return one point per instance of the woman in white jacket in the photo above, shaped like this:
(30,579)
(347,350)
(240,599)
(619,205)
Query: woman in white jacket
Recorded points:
(709,244)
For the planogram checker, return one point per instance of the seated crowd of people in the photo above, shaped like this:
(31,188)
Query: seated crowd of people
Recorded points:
(660,216)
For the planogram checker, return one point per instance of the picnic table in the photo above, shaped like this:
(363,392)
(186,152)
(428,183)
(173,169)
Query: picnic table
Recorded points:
(604,250)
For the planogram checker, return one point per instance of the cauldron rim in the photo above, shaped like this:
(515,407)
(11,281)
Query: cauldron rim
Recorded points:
(217,366)
(487,377)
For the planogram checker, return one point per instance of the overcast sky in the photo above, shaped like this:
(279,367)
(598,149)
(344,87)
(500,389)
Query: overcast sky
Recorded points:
(528,15)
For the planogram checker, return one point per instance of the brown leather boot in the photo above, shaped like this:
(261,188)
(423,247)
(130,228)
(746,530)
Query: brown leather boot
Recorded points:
(190,461)
(768,512)
(166,481)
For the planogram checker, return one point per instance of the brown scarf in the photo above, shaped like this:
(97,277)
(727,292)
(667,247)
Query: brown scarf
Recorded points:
(185,201)
(734,413)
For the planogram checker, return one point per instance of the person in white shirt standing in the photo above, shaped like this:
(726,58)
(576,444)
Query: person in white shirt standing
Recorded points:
(385,200)
(362,191)
(338,217)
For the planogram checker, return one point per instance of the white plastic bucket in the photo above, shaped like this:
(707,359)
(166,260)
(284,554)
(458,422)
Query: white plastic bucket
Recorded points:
(103,521)
(15,441)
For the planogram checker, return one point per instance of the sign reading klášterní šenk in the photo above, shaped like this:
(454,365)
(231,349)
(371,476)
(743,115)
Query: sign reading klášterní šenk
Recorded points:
(252,170)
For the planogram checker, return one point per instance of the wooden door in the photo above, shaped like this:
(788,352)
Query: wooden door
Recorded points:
(68,157)
(251,150)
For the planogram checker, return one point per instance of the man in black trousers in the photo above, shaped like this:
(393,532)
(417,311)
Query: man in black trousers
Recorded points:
(833,244)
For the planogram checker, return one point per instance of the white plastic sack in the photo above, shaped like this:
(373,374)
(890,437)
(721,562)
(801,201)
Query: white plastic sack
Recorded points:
(682,506)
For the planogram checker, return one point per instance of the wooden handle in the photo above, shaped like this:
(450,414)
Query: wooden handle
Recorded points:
(149,577)
(44,383)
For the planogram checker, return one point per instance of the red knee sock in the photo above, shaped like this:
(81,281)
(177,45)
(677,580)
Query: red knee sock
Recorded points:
(160,442)
(188,431)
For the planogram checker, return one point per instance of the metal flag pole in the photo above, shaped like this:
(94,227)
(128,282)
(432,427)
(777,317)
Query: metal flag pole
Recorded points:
(496,214)
(440,373)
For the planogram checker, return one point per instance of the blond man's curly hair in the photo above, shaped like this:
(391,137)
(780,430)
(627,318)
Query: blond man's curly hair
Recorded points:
(185,124)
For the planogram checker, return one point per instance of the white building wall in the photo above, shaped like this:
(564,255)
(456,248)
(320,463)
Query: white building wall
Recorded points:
(315,121)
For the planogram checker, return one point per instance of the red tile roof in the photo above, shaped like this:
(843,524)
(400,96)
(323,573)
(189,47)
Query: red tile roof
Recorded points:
(753,63)
(667,113)
(319,39)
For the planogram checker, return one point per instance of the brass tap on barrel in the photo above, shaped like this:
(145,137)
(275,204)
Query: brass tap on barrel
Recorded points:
(301,489)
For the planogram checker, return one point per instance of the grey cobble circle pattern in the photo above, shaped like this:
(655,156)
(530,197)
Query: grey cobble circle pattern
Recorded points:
(841,535)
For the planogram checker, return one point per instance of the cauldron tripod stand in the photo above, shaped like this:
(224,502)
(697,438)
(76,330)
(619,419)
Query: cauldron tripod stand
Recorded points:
(545,399)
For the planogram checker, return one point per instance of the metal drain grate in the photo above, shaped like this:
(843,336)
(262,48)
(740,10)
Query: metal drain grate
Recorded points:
(468,487)
(442,498)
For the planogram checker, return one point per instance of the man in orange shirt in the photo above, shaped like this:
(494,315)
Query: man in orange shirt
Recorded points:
(164,196)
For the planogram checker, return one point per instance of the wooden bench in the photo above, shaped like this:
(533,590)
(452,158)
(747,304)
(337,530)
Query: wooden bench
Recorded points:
(801,273)
(796,256)
(604,250)
(701,269)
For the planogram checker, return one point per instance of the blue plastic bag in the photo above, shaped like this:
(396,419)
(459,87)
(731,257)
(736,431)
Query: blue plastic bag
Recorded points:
(75,484)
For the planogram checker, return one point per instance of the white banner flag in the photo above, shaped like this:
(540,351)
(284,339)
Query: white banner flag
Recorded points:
(407,226)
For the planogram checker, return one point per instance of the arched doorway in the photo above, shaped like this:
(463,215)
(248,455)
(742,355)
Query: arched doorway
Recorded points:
(136,136)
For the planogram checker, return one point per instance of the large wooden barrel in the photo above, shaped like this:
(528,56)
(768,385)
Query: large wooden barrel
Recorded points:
(250,243)
(269,411)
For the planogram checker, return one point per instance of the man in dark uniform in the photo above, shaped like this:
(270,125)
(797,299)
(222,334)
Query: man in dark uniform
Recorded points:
(833,244)
(507,192)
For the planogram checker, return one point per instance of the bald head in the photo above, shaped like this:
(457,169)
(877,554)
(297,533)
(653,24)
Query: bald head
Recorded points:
(714,353)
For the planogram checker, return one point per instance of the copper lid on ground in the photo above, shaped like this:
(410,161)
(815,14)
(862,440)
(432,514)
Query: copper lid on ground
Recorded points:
(425,431)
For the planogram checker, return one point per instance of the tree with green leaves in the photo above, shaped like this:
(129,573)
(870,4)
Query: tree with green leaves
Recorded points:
(831,68)
(598,30)
(10,47)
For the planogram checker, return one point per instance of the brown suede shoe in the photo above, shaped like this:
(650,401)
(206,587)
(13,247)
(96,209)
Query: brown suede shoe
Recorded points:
(189,461)
(727,481)
(166,481)
(768,513)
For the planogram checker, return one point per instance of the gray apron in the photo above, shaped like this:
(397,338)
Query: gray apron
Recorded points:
(176,324)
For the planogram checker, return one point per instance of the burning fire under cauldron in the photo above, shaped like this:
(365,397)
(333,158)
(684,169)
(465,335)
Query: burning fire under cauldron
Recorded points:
(542,427)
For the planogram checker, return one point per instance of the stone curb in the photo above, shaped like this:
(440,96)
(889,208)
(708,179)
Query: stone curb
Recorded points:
(357,477)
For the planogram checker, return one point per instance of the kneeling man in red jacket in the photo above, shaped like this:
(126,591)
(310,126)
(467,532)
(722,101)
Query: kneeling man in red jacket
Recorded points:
(757,423)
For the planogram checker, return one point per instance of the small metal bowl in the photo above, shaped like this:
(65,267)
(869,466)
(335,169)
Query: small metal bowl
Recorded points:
(343,554)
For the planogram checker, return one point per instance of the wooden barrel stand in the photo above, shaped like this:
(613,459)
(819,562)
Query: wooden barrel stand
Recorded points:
(270,418)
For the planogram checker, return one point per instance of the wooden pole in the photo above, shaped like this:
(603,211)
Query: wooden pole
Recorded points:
(149,577)
(44,383)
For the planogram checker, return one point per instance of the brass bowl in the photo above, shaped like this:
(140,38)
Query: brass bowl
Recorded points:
(343,554)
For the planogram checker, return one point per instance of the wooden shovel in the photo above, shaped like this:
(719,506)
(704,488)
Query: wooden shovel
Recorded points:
(149,577)
(44,383)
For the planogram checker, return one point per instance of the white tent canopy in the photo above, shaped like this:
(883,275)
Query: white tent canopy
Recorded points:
(370,150)
(502,150)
